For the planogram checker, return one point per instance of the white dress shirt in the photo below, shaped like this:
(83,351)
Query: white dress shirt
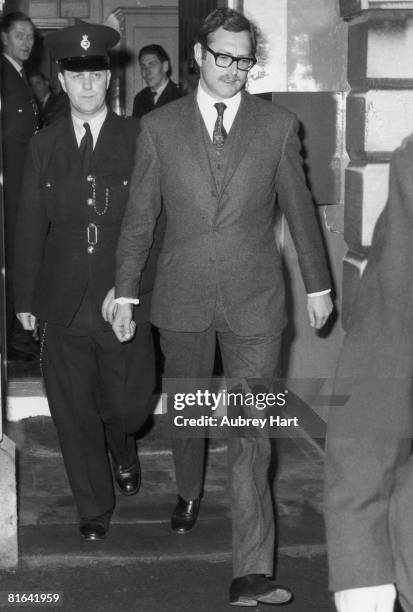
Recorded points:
(159,91)
(209,112)
(95,126)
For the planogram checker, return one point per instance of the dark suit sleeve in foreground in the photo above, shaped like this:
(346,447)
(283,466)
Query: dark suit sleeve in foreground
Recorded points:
(142,211)
(296,203)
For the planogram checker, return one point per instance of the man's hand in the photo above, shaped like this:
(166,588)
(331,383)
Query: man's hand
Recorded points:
(123,326)
(319,308)
(109,306)
(379,598)
(27,320)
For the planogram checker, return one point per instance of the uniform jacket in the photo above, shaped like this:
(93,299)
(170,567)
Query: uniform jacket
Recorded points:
(53,266)
(142,103)
(219,237)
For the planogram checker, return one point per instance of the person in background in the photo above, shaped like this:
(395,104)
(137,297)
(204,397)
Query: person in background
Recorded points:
(75,188)
(220,159)
(19,122)
(52,106)
(156,71)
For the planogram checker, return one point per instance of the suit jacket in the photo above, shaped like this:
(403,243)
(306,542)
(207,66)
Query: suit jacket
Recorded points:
(52,263)
(220,237)
(57,105)
(142,103)
(365,438)
(19,122)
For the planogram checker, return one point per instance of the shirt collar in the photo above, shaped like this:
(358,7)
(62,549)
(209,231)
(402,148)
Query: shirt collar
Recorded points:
(206,101)
(160,89)
(13,62)
(95,125)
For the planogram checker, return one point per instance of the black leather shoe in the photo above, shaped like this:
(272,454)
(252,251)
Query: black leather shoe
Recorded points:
(128,479)
(184,515)
(93,530)
(253,589)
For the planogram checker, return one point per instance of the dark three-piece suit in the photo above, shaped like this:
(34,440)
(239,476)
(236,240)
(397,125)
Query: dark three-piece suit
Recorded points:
(219,273)
(68,226)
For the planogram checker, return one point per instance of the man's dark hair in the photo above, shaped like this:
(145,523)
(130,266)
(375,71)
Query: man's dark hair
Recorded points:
(10,19)
(230,20)
(160,53)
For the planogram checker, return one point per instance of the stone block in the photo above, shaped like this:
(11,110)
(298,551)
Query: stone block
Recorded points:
(377,122)
(379,52)
(367,189)
(350,9)
(8,506)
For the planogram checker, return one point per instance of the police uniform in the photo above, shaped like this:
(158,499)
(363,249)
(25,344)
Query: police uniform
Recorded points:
(69,221)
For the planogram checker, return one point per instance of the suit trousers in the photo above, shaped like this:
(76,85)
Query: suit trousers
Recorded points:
(99,395)
(190,355)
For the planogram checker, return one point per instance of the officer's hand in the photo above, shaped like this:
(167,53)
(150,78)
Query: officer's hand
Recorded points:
(123,326)
(27,320)
(109,306)
(319,308)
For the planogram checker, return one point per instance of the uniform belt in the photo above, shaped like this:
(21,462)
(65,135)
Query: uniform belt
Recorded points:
(87,234)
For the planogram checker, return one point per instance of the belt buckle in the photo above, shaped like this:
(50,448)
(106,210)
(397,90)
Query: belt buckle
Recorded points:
(92,237)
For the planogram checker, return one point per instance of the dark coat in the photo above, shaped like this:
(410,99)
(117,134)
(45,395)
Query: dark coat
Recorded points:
(54,267)
(19,123)
(220,237)
(368,437)
(142,104)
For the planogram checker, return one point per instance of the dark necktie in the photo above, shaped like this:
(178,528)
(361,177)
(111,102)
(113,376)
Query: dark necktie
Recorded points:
(219,135)
(86,148)
(24,78)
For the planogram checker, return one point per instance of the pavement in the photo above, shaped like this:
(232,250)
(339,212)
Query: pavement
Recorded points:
(143,566)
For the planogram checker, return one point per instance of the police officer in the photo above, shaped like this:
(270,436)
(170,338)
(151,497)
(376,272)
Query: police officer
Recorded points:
(75,188)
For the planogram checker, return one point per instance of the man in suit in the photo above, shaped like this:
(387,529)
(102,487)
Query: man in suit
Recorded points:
(52,106)
(75,188)
(219,158)
(19,123)
(156,71)
(369,461)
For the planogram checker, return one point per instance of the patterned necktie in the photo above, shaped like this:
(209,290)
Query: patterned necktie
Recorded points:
(86,148)
(219,135)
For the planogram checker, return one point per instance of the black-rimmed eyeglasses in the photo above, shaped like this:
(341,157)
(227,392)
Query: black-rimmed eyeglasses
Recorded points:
(223,60)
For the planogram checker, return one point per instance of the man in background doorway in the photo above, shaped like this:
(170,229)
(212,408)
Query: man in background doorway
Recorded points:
(19,123)
(51,105)
(156,71)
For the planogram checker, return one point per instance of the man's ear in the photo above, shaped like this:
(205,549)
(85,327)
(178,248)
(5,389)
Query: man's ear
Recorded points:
(4,39)
(165,66)
(62,81)
(108,76)
(198,53)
